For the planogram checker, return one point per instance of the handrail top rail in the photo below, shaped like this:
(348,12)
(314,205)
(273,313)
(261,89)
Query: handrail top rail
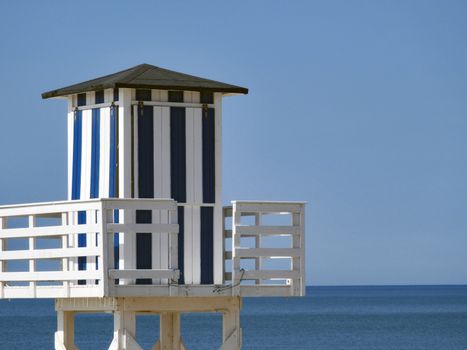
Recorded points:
(265,202)
(78,201)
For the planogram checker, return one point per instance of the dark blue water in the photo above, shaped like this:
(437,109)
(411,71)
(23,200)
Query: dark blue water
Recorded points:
(328,318)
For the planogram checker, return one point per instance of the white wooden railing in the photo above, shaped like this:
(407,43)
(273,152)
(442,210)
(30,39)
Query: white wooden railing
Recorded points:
(262,233)
(57,223)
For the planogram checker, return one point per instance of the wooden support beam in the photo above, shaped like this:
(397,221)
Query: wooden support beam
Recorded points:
(124,329)
(231,331)
(170,331)
(65,334)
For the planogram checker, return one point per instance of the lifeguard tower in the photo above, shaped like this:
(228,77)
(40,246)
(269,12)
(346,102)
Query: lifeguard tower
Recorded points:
(144,229)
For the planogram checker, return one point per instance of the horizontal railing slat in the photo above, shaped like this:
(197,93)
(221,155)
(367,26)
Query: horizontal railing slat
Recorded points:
(266,252)
(157,228)
(140,273)
(268,230)
(38,276)
(270,274)
(48,231)
(49,253)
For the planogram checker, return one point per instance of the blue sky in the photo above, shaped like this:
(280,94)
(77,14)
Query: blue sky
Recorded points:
(358,107)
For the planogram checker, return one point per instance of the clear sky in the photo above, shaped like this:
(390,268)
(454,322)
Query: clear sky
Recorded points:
(358,107)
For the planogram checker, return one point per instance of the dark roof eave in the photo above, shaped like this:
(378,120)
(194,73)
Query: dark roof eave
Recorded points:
(66,92)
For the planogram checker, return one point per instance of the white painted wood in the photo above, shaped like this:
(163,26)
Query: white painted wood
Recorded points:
(70,124)
(197,150)
(218,216)
(165,147)
(49,276)
(132,228)
(266,252)
(65,334)
(143,273)
(86,155)
(48,231)
(268,230)
(196,244)
(48,253)
(135,153)
(156,245)
(127,240)
(271,274)
(3,224)
(190,160)
(188,246)
(104,160)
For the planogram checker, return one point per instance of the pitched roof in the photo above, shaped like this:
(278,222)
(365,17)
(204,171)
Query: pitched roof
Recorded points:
(146,76)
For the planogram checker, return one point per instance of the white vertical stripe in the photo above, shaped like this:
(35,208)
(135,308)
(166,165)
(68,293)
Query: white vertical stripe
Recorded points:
(108,95)
(188,246)
(157,120)
(127,240)
(195,97)
(164,95)
(197,156)
(86,154)
(218,259)
(155,95)
(70,124)
(156,244)
(164,239)
(104,156)
(165,149)
(190,197)
(196,244)
(187,96)
(135,150)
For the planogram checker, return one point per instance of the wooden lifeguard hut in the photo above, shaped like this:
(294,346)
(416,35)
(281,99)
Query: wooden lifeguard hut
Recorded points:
(144,229)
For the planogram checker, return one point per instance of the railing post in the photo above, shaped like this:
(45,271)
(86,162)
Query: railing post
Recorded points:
(3,223)
(298,263)
(103,243)
(236,218)
(174,239)
(32,262)
(65,261)
(258,245)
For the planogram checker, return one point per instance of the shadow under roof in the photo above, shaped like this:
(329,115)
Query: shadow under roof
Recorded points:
(146,76)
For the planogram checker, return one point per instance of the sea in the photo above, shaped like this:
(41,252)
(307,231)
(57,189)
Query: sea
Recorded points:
(328,318)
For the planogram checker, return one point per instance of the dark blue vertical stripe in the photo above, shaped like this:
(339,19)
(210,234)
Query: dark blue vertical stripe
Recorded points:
(209,164)
(145,186)
(146,152)
(178,154)
(144,245)
(77,140)
(95,153)
(207,245)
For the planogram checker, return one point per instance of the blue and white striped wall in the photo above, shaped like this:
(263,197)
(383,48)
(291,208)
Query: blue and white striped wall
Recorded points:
(167,150)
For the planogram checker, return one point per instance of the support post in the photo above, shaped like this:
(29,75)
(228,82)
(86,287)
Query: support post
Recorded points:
(124,329)
(231,331)
(65,334)
(170,338)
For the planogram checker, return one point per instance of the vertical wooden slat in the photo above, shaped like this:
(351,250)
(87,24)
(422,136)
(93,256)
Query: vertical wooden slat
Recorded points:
(296,261)
(3,224)
(236,217)
(65,264)
(258,245)
(32,262)
(105,249)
